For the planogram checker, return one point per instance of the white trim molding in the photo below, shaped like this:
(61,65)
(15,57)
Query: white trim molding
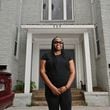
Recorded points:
(35,33)
(58,26)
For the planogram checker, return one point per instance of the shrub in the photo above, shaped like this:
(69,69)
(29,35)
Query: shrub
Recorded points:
(19,87)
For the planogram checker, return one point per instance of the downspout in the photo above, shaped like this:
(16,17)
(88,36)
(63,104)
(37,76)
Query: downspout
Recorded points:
(19,27)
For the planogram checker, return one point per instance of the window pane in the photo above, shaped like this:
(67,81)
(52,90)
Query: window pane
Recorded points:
(45,9)
(97,37)
(69,9)
(57,9)
(15,49)
(98,47)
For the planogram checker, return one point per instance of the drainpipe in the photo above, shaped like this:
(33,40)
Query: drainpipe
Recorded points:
(19,27)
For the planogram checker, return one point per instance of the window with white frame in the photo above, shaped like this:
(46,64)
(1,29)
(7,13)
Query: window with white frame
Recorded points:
(57,10)
(97,43)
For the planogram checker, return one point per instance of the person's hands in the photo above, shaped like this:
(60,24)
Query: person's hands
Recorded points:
(55,91)
(62,89)
(58,91)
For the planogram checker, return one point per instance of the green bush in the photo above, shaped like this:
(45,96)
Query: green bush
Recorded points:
(19,87)
(32,85)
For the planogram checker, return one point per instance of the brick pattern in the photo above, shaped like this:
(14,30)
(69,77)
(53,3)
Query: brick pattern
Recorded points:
(8,23)
(31,14)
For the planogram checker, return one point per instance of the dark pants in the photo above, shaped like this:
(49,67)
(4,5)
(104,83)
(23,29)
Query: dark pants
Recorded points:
(63,101)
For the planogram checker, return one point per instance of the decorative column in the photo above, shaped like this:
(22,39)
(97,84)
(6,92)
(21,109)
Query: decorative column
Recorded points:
(78,67)
(88,63)
(28,63)
(35,63)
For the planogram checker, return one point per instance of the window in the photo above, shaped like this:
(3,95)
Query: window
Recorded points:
(15,45)
(97,43)
(57,10)
(15,49)
(69,9)
(45,9)
(3,67)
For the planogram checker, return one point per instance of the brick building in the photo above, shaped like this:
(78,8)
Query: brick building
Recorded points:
(28,26)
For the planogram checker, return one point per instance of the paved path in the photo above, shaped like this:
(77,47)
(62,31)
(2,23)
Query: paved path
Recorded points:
(46,108)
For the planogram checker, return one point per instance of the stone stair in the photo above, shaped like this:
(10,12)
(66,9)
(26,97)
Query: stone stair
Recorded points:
(38,98)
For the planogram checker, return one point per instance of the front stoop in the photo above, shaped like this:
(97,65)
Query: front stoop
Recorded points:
(38,98)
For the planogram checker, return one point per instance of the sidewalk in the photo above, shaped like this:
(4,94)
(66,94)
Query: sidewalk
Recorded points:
(46,108)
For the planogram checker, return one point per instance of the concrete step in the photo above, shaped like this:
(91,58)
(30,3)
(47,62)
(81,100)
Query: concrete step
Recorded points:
(79,103)
(38,97)
(42,97)
(44,103)
(42,92)
(39,103)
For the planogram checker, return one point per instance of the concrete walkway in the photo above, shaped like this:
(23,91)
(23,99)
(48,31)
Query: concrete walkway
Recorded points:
(46,108)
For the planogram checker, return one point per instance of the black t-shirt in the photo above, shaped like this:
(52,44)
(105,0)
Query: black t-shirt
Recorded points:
(57,68)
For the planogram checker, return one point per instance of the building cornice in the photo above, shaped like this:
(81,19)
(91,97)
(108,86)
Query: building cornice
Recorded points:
(57,26)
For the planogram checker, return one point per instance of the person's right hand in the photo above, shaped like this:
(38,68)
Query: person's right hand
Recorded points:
(55,91)
(62,89)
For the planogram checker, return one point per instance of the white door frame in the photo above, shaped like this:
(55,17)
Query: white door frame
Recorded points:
(39,44)
(50,29)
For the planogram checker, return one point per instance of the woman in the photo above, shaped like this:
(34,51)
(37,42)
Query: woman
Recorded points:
(58,72)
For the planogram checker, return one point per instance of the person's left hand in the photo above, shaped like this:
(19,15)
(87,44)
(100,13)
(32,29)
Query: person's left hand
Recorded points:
(62,89)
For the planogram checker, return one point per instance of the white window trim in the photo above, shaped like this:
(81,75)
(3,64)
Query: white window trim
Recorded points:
(73,10)
(64,11)
(50,11)
(42,10)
